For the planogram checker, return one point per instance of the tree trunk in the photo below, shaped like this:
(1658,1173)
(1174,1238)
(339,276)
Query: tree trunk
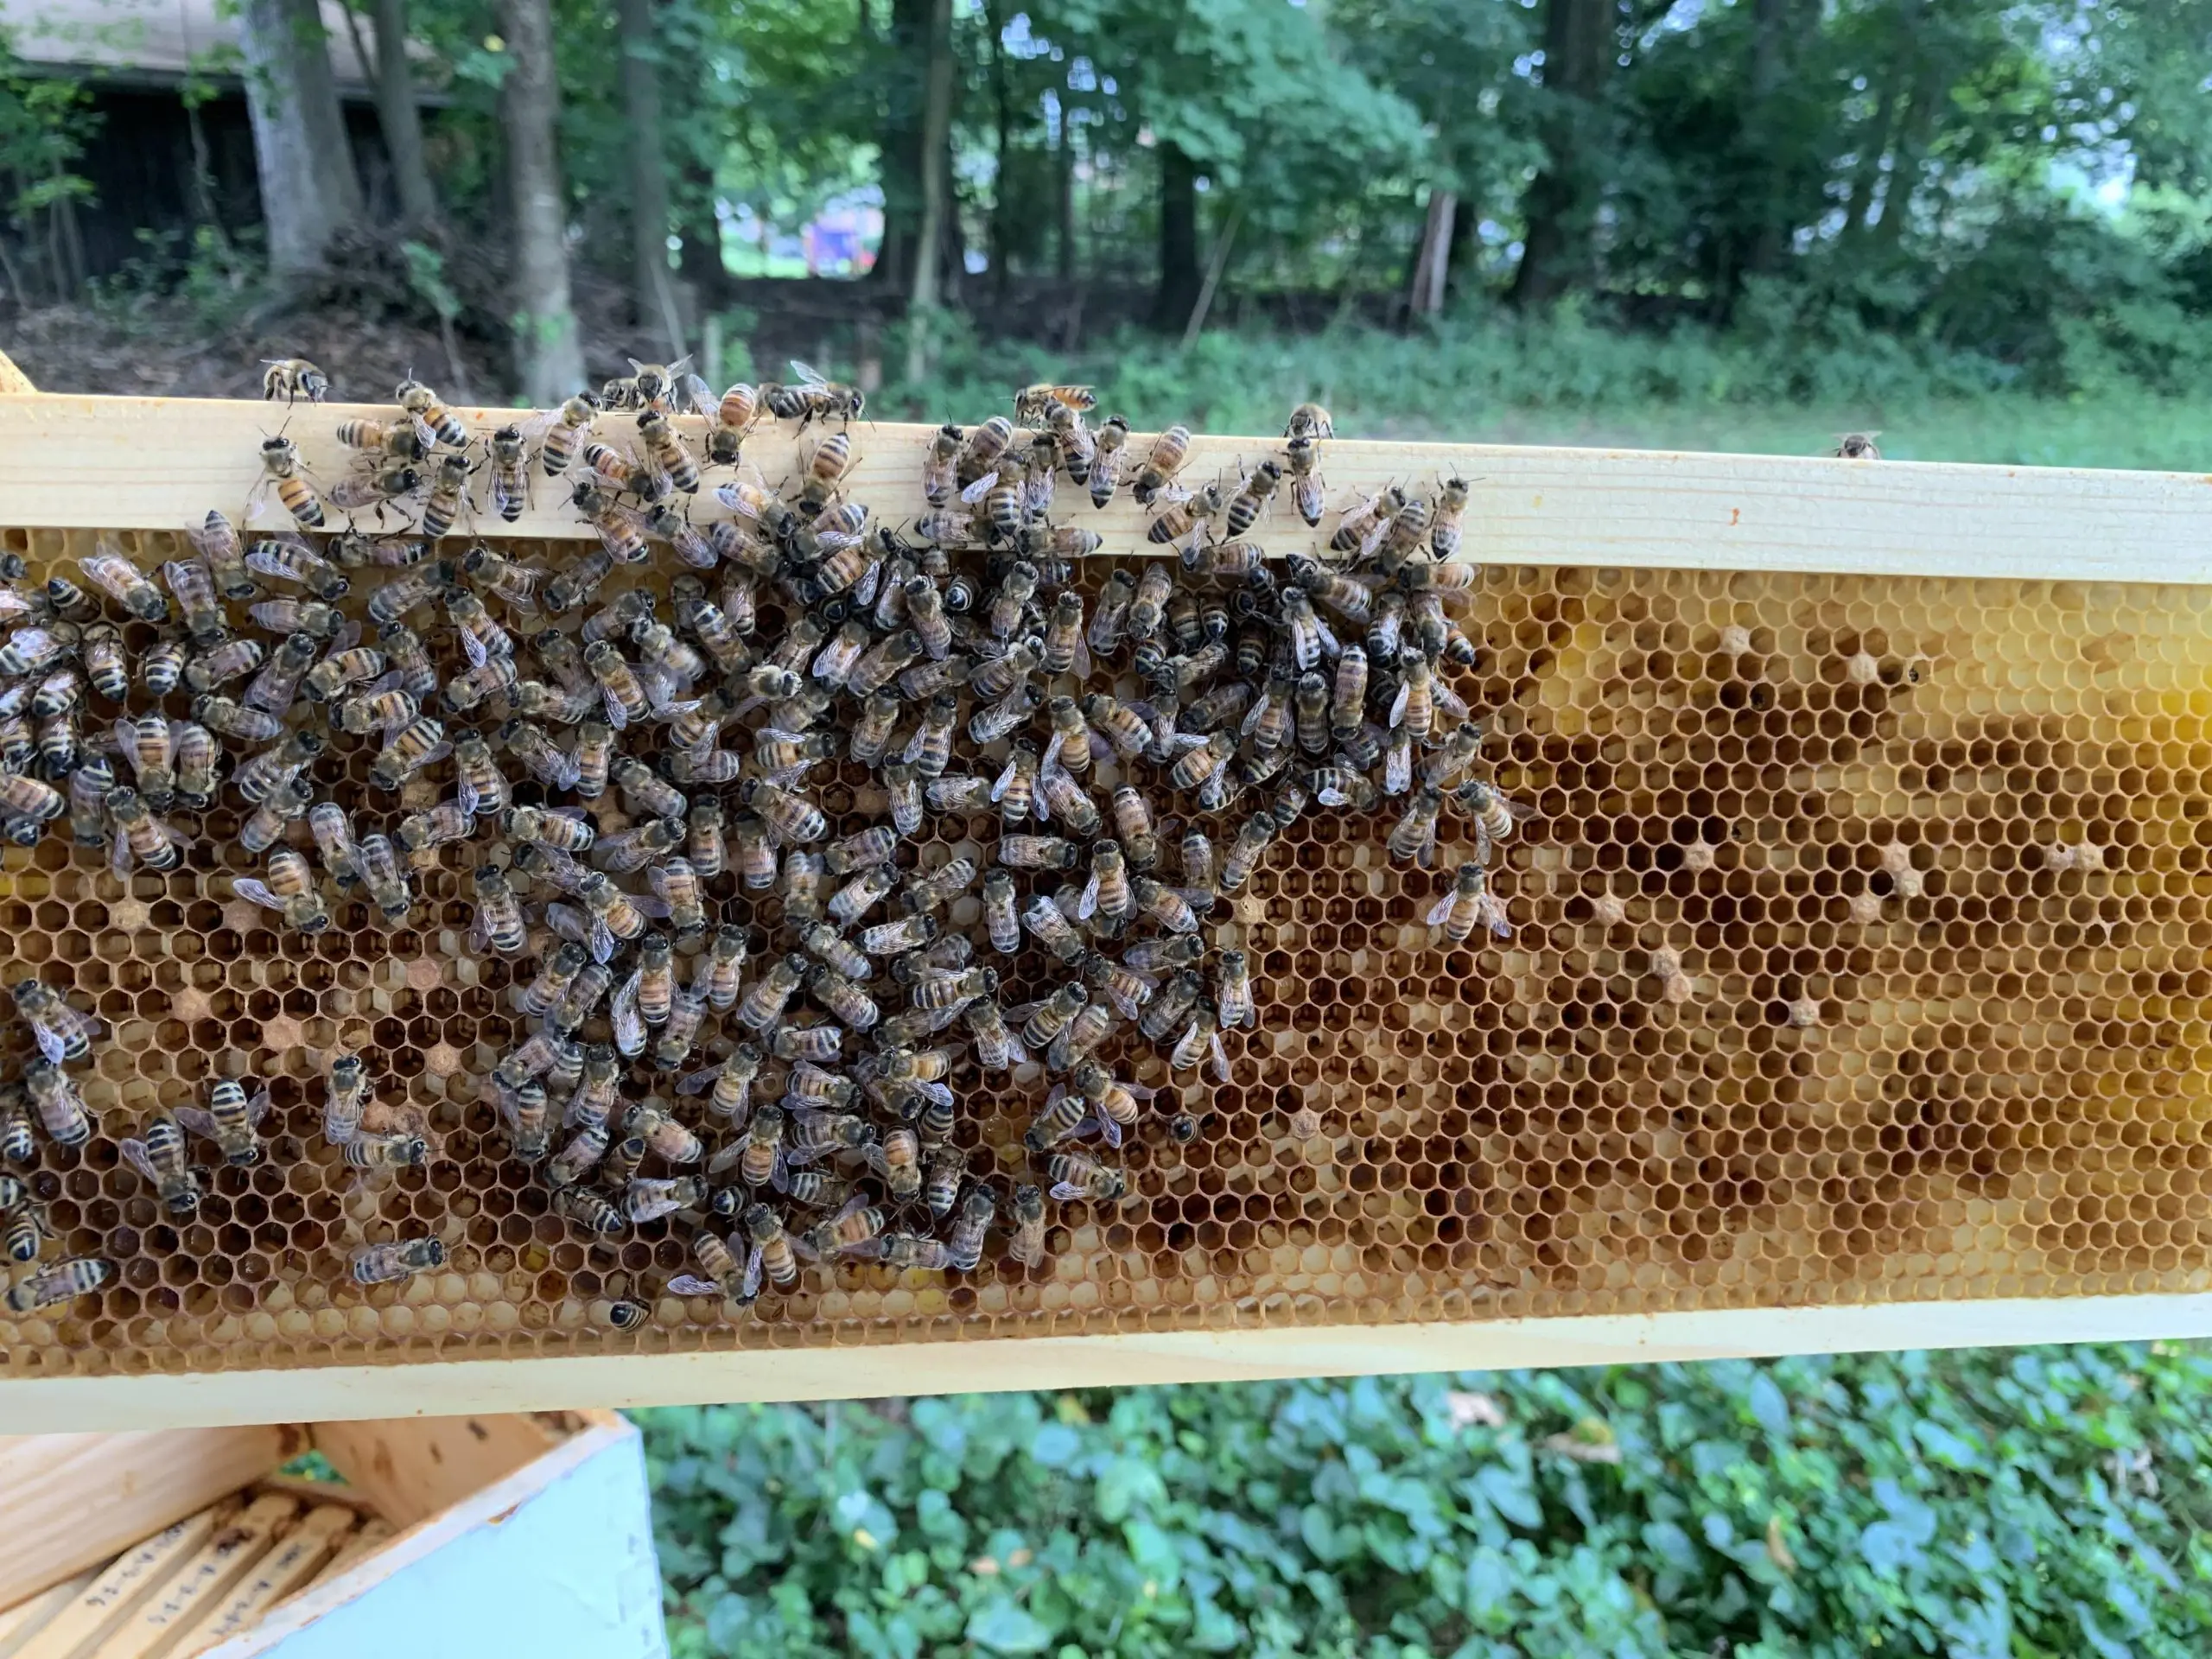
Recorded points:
(1002,109)
(701,231)
(549,362)
(1874,145)
(309,187)
(1761,145)
(936,190)
(1064,169)
(906,60)
(650,291)
(1434,261)
(399,117)
(1924,103)
(1179,276)
(1562,203)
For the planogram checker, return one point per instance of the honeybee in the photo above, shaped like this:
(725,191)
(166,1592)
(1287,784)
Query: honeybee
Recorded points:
(105,664)
(387,883)
(334,840)
(89,788)
(1494,815)
(1361,524)
(62,1283)
(562,433)
(621,532)
(575,1161)
(408,439)
(138,834)
(1414,835)
(280,462)
(1307,492)
(1444,529)
(62,1032)
(1169,451)
(789,816)
(590,1210)
(61,1109)
(1201,1041)
(1170,1006)
(277,686)
(981,455)
(346,1097)
(226,661)
(230,1119)
(1858,446)
(161,666)
(1253,494)
(109,567)
(1078,1175)
(814,398)
(1470,904)
(939,463)
(407,751)
(290,890)
(738,1286)
(424,406)
(293,378)
(384,1264)
(448,495)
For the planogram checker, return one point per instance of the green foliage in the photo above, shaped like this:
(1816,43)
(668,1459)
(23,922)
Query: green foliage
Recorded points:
(2004,1505)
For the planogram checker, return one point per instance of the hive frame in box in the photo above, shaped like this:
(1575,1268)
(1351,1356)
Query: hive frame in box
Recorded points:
(149,463)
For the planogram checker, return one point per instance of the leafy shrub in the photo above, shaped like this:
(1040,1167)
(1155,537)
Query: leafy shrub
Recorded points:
(1999,1505)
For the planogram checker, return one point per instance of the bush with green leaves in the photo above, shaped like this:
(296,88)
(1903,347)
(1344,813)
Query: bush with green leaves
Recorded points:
(1978,1505)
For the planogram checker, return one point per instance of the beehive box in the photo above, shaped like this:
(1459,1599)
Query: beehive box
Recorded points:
(1853,997)
(457,1536)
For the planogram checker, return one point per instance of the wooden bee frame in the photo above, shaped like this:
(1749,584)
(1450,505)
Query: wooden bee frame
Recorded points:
(1904,765)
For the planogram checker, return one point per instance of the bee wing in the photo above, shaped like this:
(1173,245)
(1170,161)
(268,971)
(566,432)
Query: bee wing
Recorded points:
(1499,927)
(197,1118)
(466,794)
(1220,1056)
(247,888)
(807,376)
(1081,667)
(975,492)
(656,909)
(1449,700)
(1327,638)
(1105,1126)
(1066,1191)
(695,391)
(1442,909)
(568,923)
(616,715)
(134,1153)
(1398,769)
(690,1284)
(1087,905)
(629,1026)
(258,1108)
(697,1083)
(119,860)
(1016,1054)
(752,1274)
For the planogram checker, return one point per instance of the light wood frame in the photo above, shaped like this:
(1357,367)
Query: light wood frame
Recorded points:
(68,462)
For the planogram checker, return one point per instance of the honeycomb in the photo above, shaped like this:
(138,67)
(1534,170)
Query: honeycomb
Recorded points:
(1858,941)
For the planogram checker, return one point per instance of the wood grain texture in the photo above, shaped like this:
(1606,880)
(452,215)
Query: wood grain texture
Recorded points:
(19,1623)
(410,1468)
(299,1555)
(202,1581)
(74,1500)
(150,463)
(124,1584)
(340,1393)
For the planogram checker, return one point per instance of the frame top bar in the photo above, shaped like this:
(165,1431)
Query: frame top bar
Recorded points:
(152,463)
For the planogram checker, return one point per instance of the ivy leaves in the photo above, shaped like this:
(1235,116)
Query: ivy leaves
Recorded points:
(2007,1505)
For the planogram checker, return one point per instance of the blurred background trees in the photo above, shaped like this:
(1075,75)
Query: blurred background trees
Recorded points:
(2027,186)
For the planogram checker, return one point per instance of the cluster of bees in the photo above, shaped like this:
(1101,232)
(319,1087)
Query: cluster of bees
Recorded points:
(786,1091)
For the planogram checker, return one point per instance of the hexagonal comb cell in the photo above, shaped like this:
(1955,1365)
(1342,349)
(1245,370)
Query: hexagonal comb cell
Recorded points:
(1856,945)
